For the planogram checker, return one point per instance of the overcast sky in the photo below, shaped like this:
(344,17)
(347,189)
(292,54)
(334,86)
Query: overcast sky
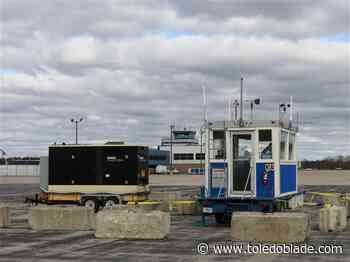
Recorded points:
(132,67)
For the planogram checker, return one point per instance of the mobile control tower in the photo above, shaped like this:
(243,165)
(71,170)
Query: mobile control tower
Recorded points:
(250,166)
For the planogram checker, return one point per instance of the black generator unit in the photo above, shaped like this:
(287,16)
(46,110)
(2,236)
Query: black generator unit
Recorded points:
(94,175)
(98,165)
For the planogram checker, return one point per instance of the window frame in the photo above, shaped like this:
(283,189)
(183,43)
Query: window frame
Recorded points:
(203,154)
(258,145)
(286,151)
(291,154)
(183,158)
(213,152)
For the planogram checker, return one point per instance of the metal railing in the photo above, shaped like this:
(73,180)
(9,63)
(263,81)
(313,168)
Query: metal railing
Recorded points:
(19,170)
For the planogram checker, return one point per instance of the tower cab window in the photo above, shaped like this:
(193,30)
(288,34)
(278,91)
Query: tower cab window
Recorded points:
(291,147)
(219,146)
(265,144)
(283,145)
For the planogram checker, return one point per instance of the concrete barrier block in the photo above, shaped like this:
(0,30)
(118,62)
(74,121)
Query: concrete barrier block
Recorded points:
(333,219)
(347,203)
(296,201)
(165,196)
(154,205)
(132,223)
(308,197)
(270,227)
(187,208)
(329,198)
(61,218)
(4,216)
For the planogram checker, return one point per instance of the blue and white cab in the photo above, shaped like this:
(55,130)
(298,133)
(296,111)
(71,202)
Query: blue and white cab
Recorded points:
(250,166)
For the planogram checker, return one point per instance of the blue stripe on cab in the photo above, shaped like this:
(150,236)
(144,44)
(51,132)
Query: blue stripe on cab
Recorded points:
(217,192)
(263,190)
(288,182)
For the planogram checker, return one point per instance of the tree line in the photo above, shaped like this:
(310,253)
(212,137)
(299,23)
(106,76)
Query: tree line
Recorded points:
(27,160)
(338,162)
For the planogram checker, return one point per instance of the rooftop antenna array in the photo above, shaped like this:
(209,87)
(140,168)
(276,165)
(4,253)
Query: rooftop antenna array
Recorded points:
(291,111)
(241,105)
(236,105)
(282,110)
(229,109)
(256,101)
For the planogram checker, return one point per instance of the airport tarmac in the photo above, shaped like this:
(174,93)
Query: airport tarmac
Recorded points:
(312,177)
(20,243)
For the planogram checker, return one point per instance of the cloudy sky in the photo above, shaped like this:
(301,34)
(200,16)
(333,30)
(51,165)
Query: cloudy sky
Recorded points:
(132,67)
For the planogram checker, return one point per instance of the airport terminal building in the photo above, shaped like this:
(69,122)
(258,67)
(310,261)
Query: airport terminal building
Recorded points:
(187,155)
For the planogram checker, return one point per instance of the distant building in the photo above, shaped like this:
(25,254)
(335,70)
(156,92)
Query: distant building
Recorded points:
(187,153)
(157,158)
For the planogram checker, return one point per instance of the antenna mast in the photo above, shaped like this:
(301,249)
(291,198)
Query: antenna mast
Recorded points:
(241,105)
(229,118)
(291,111)
(236,104)
(204,91)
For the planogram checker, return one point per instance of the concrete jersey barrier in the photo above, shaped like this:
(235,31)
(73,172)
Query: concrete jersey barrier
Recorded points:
(44,217)
(333,219)
(4,216)
(270,227)
(132,223)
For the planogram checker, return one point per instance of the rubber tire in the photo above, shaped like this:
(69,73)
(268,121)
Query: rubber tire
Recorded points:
(90,203)
(220,219)
(108,203)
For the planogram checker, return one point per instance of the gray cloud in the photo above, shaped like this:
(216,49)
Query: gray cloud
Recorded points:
(132,67)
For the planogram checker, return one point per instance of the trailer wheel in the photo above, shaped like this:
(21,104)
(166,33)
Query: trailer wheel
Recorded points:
(110,203)
(223,219)
(90,203)
(33,204)
(220,218)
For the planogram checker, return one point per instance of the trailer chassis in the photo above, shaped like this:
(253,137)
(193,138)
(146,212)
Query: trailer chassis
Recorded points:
(223,207)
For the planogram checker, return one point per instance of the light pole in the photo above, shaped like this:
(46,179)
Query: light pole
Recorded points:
(3,154)
(171,147)
(76,128)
